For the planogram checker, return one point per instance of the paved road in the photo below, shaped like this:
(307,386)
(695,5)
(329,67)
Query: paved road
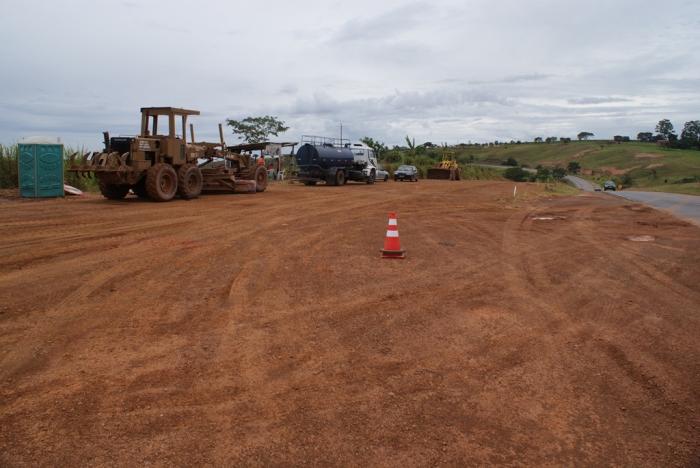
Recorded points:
(582,184)
(685,206)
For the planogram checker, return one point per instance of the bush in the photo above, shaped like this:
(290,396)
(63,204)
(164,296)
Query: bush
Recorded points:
(558,173)
(543,174)
(8,166)
(574,167)
(510,162)
(516,174)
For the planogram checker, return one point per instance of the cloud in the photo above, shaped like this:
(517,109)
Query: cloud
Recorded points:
(385,26)
(597,100)
(445,70)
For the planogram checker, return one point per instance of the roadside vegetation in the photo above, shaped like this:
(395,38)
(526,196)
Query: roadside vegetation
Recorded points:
(658,162)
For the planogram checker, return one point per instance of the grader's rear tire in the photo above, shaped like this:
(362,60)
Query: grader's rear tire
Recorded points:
(260,179)
(161,182)
(189,181)
(113,191)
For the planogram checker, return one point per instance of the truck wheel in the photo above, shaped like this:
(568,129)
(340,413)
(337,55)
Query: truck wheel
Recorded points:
(189,181)
(372,177)
(386,178)
(260,179)
(161,182)
(340,178)
(113,191)
(139,188)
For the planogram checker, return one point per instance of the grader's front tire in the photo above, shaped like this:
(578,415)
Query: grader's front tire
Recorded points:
(260,179)
(113,191)
(189,181)
(161,182)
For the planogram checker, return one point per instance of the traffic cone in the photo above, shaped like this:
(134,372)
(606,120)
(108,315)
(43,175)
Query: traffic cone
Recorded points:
(392,244)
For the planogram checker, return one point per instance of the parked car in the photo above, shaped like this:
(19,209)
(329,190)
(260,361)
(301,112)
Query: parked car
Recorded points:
(406,173)
(382,174)
(609,185)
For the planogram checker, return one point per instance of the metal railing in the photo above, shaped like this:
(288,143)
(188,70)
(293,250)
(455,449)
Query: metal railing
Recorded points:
(325,141)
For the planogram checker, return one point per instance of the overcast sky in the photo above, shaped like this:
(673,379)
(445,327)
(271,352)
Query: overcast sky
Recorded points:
(440,71)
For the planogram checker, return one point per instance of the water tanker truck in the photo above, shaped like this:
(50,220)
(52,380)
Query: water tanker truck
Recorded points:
(335,161)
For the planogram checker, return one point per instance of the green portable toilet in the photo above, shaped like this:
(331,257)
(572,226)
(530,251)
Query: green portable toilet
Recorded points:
(40,168)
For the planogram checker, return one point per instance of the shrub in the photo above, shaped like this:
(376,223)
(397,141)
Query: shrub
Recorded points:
(574,167)
(558,173)
(8,166)
(516,174)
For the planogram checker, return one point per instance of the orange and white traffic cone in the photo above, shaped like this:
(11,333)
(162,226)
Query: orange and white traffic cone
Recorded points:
(392,244)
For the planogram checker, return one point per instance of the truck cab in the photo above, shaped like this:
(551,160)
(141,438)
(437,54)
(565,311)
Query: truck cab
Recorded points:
(364,155)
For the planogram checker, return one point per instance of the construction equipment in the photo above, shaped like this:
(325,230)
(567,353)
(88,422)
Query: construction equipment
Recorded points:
(447,169)
(334,161)
(160,166)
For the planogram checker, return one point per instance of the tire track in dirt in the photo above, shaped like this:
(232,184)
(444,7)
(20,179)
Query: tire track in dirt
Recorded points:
(266,329)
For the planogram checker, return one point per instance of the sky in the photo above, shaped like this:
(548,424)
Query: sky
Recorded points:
(442,71)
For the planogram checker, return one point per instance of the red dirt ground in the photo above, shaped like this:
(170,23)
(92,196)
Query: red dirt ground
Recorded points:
(264,329)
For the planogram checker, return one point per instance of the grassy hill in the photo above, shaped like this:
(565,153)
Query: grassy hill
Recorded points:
(643,166)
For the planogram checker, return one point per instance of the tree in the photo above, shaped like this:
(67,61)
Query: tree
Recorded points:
(574,167)
(690,137)
(538,139)
(665,128)
(543,174)
(516,174)
(645,136)
(584,136)
(551,140)
(378,147)
(565,139)
(257,129)
(410,143)
(558,173)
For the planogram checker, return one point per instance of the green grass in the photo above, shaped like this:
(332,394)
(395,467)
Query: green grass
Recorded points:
(660,169)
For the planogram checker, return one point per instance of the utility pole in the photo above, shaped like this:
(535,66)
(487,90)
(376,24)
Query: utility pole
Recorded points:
(341,133)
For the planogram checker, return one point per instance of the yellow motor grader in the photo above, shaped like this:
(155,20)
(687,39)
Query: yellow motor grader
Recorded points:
(160,166)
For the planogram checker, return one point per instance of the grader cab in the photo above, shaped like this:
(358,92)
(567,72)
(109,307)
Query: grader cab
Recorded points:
(159,165)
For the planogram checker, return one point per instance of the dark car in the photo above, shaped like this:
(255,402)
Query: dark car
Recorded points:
(406,173)
(609,185)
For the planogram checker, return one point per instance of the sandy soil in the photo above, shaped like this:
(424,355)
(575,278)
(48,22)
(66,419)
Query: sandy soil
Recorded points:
(264,329)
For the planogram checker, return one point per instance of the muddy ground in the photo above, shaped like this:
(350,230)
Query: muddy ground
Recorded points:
(264,329)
